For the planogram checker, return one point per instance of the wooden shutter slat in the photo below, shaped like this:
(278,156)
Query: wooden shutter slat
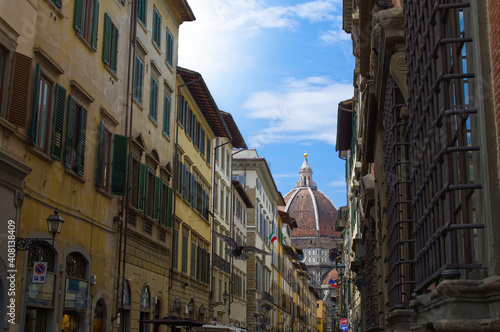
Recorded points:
(157,199)
(170,202)
(20,86)
(58,122)
(35,109)
(119,172)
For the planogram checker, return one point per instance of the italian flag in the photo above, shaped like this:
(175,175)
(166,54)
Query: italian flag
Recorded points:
(272,237)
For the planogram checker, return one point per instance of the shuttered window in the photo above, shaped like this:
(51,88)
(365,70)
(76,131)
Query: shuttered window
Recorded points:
(58,122)
(76,128)
(156,28)
(138,79)
(142,188)
(169,203)
(103,176)
(58,3)
(153,107)
(110,43)
(193,259)
(166,115)
(175,247)
(141,11)
(208,150)
(119,175)
(86,20)
(184,253)
(170,49)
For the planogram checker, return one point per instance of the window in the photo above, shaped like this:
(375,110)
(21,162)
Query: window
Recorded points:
(145,309)
(208,150)
(3,61)
(86,20)
(166,115)
(110,43)
(103,179)
(167,206)
(141,11)
(76,291)
(153,107)
(76,127)
(170,48)
(47,123)
(156,28)
(184,252)
(40,297)
(138,79)
(120,156)
(175,245)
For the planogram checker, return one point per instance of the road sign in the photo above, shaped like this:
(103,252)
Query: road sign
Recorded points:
(344,328)
(39,273)
(343,321)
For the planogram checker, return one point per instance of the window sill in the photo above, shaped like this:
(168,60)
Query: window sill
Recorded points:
(153,121)
(104,192)
(57,10)
(40,154)
(165,135)
(110,71)
(14,130)
(155,46)
(139,106)
(142,25)
(84,41)
(75,176)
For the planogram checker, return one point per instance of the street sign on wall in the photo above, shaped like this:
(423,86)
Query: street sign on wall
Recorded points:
(343,321)
(39,273)
(344,327)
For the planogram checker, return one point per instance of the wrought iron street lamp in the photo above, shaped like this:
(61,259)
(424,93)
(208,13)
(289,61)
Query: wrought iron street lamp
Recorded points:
(54,226)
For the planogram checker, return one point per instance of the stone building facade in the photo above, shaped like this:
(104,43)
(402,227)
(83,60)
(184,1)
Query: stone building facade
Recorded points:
(422,156)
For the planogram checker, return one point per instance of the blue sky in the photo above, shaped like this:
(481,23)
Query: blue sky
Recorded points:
(280,67)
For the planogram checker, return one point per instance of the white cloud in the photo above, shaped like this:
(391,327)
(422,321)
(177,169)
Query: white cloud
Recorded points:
(333,36)
(337,183)
(301,110)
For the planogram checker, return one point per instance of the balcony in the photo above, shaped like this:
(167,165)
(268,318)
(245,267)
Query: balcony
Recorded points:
(222,264)
(267,297)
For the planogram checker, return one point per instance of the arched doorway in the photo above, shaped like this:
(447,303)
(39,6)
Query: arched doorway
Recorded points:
(157,313)
(99,316)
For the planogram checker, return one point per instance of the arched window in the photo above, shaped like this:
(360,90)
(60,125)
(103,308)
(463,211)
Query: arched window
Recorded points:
(99,316)
(76,292)
(40,296)
(124,318)
(145,309)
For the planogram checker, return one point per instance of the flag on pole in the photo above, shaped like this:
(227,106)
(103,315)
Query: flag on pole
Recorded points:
(333,283)
(272,237)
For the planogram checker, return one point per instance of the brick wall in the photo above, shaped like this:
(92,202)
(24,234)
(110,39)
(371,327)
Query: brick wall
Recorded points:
(494,27)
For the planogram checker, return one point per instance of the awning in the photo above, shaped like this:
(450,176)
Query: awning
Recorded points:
(217,328)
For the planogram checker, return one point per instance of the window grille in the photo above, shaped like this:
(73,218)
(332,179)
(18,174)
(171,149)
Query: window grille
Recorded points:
(443,139)
(76,266)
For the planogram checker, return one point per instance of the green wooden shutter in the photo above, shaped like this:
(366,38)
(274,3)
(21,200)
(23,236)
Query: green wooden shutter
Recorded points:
(157,199)
(209,152)
(100,155)
(175,248)
(142,188)
(166,116)
(82,137)
(114,49)
(119,172)
(193,259)
(78,16)
(106,40)
(170,205)
(58,123)
(35,108)
(70,132)
(170,48)
(95,25)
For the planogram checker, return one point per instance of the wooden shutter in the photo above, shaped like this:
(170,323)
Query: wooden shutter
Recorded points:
(208,150)
(170,48)
(106,40)
(193,259)
(157,199)
(82,137)
(100,155)
(142,188)
(207,205)
(58,122)
(70,131)
(166,116)
(78,16)
(119,172)
(114,49)
(170,205)
(20,86)
(35,111)
(154,99)
(175,248)
(95,25)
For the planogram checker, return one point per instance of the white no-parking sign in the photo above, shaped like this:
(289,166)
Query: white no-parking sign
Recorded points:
(39,273)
